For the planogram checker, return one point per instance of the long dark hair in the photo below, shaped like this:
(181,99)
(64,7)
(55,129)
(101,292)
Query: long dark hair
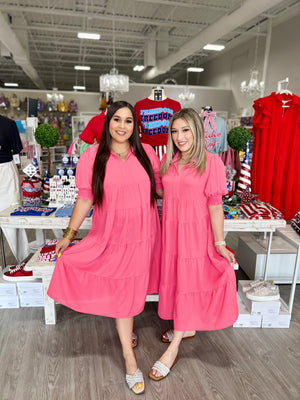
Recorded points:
(104,150)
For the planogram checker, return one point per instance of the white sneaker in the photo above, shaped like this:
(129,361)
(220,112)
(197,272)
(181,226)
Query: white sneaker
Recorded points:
(265,292)
(254,284)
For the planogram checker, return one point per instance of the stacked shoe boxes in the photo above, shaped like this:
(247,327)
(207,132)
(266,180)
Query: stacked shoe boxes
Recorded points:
(19,288)
(8,294)
(31,294)
(265,314)
(245,318)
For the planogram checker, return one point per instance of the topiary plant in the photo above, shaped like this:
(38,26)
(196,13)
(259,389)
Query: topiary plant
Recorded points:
(238,137)
(47,136)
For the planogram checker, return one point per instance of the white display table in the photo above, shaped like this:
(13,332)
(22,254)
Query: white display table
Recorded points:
(45,270)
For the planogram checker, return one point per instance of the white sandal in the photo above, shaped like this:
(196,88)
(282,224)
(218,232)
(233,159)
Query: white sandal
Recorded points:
(137,377)
(162,369)
(167,336)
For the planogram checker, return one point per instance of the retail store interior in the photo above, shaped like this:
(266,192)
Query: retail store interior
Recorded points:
(151,50)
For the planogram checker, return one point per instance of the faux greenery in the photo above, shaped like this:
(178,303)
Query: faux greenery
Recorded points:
(47,136)
(238,137)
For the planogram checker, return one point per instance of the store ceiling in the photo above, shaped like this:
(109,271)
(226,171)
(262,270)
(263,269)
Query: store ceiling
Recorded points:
(39,44)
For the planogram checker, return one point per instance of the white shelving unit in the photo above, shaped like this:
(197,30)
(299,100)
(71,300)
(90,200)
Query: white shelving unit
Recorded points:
(79,123)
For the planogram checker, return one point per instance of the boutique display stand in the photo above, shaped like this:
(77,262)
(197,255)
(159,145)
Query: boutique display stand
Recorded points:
(44,270)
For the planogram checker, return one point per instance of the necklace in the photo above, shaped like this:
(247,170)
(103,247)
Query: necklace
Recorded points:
(125,152)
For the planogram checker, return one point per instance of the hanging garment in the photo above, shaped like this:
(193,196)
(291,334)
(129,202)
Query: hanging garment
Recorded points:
(275,163)
(93,130)
(153,119)
(215,132)
(10,193)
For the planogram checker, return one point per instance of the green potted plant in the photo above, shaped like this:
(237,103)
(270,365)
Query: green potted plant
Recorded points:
(47,136)
(238,137)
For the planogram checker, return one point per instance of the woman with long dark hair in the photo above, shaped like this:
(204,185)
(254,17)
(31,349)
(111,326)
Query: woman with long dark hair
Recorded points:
(117,264)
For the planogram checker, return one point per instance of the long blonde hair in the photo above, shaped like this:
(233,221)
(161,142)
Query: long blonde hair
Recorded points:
(197,152)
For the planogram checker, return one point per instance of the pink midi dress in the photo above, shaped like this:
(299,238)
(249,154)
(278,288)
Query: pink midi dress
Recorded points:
(117,264)
(197,286)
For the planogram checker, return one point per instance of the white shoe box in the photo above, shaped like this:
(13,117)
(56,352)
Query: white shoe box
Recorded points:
(258,307)
(251,256)
(29,301)
(282,320)
(245,319)
(8,294)
(30,289)
(9,302)
(31,294)
(7,288)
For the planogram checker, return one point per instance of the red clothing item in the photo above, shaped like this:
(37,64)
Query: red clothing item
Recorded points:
(94,128)
(275,169)
(153,118)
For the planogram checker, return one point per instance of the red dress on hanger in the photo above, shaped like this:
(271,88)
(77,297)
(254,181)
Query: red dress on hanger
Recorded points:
(275,170)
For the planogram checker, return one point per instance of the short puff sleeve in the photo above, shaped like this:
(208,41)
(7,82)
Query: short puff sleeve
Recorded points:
(155,164)
(84,173)
(216,185)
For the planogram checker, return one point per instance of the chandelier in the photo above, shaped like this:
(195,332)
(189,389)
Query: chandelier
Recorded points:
(186,96)
(54,99)
(113,82)
(254,88)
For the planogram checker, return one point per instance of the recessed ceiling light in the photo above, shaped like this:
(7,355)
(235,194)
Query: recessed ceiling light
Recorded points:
(11,84)
(195,69)
(82,67)
(138,68)
(214,47)
(78,87)
(83,35)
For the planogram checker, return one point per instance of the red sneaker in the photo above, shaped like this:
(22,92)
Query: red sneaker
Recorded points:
(17,273)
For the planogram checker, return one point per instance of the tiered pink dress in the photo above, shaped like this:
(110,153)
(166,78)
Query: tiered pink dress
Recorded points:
(198,286)
(117,264)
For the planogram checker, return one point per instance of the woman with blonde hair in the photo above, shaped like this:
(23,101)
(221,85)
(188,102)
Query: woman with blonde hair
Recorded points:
(198,287)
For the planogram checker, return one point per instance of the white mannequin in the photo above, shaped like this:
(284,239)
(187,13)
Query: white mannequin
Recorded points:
(157,94)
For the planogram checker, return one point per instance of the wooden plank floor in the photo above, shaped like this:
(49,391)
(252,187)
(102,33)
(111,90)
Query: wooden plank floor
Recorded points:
(80,358)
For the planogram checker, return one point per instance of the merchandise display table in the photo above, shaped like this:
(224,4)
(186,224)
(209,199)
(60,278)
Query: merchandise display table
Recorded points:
(34,222)
(44,270)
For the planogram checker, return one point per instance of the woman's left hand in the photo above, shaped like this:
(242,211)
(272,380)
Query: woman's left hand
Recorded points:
(224,252)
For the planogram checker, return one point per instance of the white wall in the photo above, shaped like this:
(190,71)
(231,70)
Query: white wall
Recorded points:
(219,98)
(232,67)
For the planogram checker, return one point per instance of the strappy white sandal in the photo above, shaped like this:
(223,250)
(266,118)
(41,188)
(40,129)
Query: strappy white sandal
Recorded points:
(167,336)
(137,377)
(162,369)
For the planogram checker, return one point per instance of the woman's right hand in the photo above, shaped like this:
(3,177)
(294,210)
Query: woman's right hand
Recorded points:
(61,246)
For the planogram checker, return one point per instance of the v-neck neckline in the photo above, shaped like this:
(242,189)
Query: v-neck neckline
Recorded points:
(175,160)
(119,158)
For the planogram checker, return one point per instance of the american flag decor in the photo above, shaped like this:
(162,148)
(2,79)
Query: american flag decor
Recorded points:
(245,175)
